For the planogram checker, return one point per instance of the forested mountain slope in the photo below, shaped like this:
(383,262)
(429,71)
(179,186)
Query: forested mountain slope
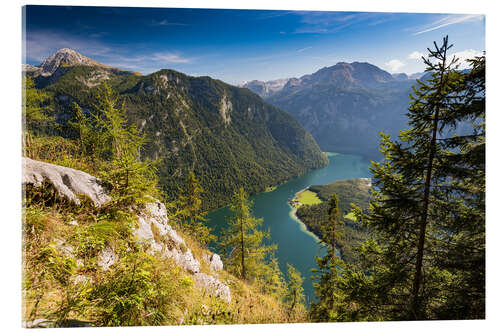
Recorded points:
(227,135)
(345,106)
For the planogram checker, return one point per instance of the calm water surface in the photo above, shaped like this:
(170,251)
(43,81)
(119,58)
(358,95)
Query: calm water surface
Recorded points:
(296,245)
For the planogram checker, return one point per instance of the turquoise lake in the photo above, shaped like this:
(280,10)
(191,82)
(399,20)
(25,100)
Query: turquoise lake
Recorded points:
(296,245)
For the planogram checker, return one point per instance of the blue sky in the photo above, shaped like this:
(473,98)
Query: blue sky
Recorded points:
(242,45)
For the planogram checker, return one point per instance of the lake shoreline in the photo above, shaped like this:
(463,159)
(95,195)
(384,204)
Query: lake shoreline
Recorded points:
(293,214)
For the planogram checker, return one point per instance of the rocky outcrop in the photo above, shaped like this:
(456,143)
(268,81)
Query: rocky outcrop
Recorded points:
(106,258)
(162,238)
(225,109)
(213,286)
(153,230)
(68,182)
(214,261)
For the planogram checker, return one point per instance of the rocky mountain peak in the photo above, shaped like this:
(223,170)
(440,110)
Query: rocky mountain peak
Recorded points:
(66,57)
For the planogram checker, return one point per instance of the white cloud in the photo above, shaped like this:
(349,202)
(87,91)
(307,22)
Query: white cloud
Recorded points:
(43,43)
(165,23)
(303,49)
(170,58)
(449,20)
(394,65)
(415,55)
(464,55)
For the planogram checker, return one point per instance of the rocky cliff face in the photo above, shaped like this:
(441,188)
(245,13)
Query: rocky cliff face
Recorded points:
(152,219)
(265,88)
(66,57)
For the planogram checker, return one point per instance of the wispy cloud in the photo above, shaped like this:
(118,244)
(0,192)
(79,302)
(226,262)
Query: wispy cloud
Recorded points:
(170,58)
(415,55)
(394,65)
(165,22)
(449,20)
(304,49)
(42,44)
(331,22)
(464,55)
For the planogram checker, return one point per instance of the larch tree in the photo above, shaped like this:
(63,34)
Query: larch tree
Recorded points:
(188,210)
(244,239)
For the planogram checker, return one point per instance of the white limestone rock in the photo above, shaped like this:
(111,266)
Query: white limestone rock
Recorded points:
(68,182)
(213,286)
(106,258)
(214,261)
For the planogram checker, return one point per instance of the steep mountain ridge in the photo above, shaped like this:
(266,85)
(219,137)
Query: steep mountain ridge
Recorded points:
(345,106)
(265,88)
(228,135)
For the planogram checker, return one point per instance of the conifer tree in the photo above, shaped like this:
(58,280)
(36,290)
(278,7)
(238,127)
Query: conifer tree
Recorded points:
(188,210)
(328,267)
(36,113)
(131,180)
(244,239)
(428,208)
(294,296)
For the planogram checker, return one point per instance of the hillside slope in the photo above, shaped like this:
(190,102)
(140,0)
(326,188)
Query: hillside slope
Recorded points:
(88,263)
(227,135)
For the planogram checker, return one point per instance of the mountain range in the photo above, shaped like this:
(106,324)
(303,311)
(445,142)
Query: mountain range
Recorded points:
(345,106)
(227,135)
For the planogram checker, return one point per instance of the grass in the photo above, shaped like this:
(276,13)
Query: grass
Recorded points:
(350,216)
(308,198)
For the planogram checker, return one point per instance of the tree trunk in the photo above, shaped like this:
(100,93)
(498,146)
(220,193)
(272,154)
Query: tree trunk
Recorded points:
(415,306)
(243,271)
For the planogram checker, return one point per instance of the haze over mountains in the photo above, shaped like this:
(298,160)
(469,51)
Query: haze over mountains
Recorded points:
(345,106)
(227,135)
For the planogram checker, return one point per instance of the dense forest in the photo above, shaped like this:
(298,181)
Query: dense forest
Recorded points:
(350,191)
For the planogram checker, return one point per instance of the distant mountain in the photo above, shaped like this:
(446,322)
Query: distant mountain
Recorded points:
(229,136)
(416,76)
(400,76)
(345,106)
(265,88)
(66,58)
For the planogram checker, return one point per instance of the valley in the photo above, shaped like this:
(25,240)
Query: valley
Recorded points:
(296,244)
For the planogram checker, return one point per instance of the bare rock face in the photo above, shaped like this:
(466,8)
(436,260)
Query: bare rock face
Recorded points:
(213,286)
(66,57)
(155,230)
(68,182)
(106,258)
(214,261)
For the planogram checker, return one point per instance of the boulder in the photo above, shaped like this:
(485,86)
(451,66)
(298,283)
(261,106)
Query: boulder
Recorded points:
(68,182)
(153,228)
(214,261)
(106,258)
